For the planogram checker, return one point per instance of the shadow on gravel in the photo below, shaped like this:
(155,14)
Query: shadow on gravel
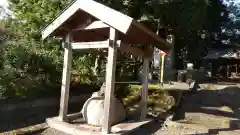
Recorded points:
(29,117)
(216,102)
(234,125)
(148,129)
(223,102)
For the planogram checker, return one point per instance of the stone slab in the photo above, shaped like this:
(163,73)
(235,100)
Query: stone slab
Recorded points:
(129,126)
(124,128)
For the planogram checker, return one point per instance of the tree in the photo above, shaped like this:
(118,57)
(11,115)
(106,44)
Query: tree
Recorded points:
(30,66)
(188,20)
(34,15)
(195,24)
(232,28)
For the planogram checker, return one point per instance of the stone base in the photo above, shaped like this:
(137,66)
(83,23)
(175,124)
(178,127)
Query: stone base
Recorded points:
(82,128)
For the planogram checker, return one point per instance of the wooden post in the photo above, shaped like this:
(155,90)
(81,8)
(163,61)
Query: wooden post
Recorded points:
(66,75)
(172,53)
(144,90)
(162,69)
(110,81)
(236,68)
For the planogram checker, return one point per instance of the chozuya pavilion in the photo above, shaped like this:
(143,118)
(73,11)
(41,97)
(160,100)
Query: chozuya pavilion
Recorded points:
(89,25)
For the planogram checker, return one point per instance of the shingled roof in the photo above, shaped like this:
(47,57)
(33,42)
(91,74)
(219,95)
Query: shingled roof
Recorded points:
(82,13)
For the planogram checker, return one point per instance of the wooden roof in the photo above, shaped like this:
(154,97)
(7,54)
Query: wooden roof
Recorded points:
(90,21)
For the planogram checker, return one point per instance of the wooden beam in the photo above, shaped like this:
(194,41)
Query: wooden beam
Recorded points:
(97,25)
(92,45)
(110,81)
(74,116)
(144,90)
(66,75)
(92,26)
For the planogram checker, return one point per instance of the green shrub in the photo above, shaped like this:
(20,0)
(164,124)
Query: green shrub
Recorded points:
(82,71)
(30,67)
(37,72)
(27,73)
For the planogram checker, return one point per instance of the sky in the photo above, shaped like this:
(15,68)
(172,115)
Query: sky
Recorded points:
(3,3)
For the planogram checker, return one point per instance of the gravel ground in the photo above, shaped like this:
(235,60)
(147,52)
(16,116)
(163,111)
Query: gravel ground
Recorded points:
(208,112)
(52,132)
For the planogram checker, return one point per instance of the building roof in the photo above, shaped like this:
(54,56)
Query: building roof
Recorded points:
(82,16)
(229,53)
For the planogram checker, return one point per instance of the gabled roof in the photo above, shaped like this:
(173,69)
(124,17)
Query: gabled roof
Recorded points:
(82,13)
